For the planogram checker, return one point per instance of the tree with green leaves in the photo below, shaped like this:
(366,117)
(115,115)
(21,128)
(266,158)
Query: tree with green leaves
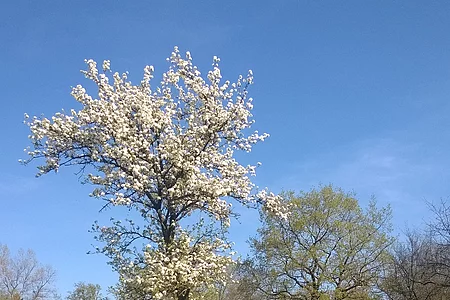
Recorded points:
(86,291)
(327,248)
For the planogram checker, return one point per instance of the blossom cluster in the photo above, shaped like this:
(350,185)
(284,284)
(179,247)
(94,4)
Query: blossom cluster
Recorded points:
(187,266)
(175,142)
(166,152)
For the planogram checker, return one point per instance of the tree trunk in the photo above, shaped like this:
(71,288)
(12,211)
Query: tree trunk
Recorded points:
(184,295)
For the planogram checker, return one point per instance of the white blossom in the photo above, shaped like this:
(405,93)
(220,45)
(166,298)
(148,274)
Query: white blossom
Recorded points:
(184,266)
(165,152)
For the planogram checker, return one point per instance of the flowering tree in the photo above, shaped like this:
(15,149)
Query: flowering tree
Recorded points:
(166,152)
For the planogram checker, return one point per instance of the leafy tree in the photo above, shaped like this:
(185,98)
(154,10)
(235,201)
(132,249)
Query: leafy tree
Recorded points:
(166,153)
(327,248)
(23,277)
(86,291)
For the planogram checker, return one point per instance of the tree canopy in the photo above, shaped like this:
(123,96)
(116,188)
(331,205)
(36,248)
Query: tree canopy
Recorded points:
(86,291)
(327,248)
(166,153)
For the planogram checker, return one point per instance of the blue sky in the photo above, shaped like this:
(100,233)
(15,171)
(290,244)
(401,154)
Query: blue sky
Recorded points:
(354,93)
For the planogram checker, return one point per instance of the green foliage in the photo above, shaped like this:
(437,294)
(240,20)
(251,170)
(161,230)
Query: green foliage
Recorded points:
(86,291)
(327,248)
(5,296)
